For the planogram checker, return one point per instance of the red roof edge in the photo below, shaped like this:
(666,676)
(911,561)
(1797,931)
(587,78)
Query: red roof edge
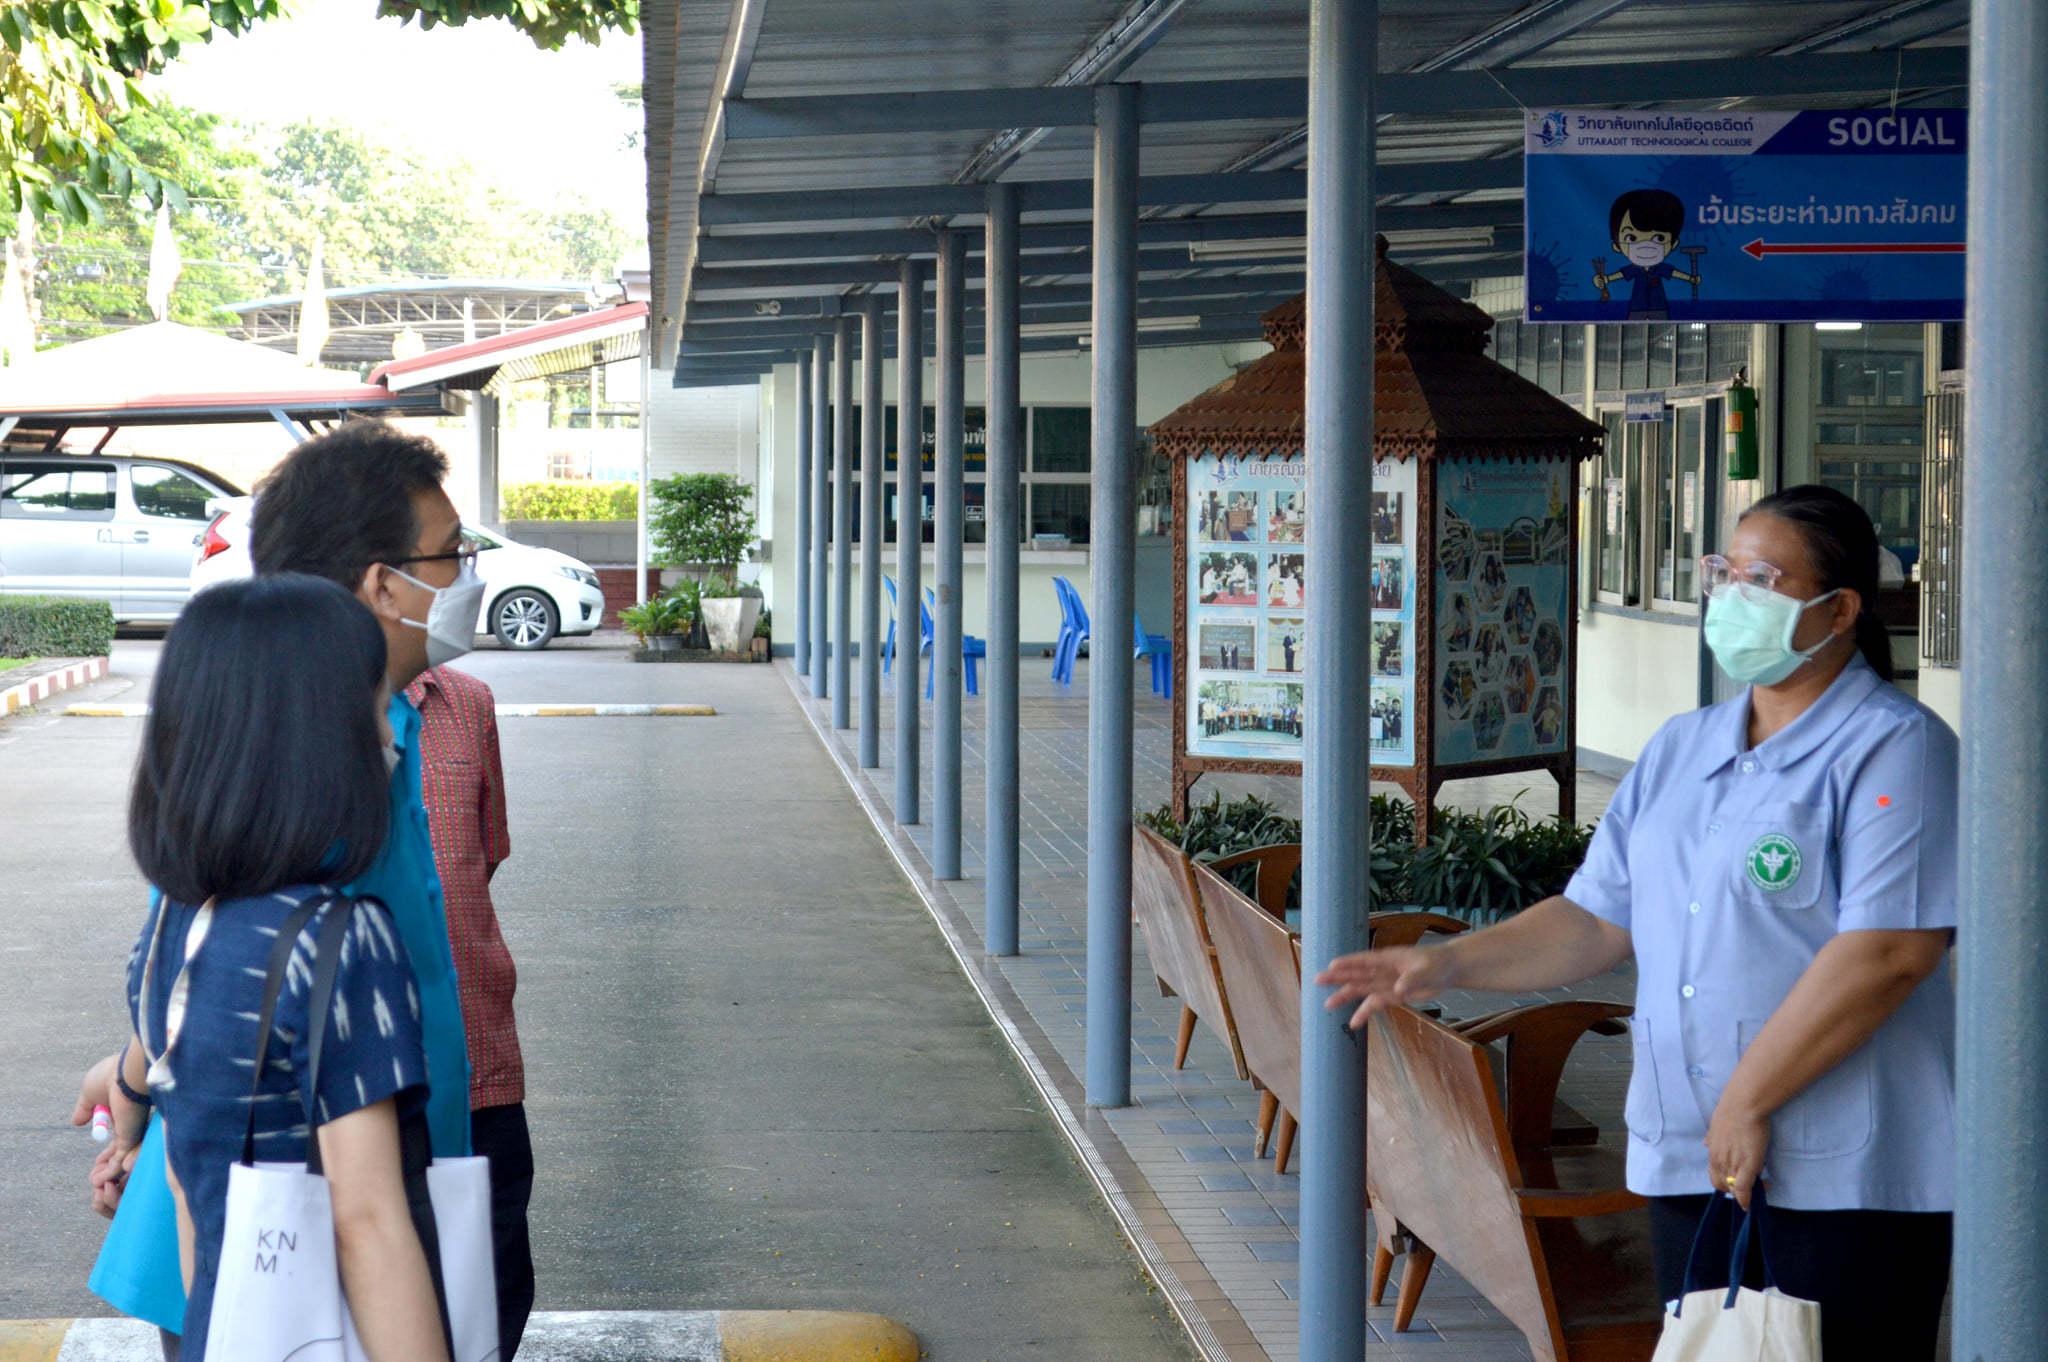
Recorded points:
(482,350)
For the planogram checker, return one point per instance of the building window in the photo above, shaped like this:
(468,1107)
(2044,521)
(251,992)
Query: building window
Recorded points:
(1616,547)
(1635,356)
(1727,352)
(1692,353)
(1607,358)
(1869,425)
(1572,384)
(1680,485)
(1663,340)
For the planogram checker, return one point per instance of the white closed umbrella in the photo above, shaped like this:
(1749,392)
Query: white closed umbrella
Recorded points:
(313,312)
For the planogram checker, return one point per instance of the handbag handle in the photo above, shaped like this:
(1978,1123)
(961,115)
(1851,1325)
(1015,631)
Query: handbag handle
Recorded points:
(1738,1256)
(273,984)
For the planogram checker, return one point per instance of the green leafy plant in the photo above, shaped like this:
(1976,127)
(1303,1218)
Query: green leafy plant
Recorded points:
(1483,866)
(689,597)
(701,518)
(50,626)
(570,500)
(762,628)
(549,25)
(658,618)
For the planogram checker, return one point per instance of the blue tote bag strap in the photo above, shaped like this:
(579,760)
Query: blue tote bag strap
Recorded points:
(1755,1221)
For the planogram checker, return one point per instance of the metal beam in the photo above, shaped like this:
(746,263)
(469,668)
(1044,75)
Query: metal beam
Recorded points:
(949,533)
(909,542)
(1337,830)
(2001,1237)
(1049,196)
(1153,234)
(740,338)
(1892,26)
(820,398)
(1113,552)
(871,459)
(922,112)
(842,521)
(1003,506)
(803,513)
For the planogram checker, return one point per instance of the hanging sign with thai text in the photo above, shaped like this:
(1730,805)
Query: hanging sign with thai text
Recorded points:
(1741,216)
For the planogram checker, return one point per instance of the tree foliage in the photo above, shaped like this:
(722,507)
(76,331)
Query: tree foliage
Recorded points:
(260,197)
(68,72)
(701,518)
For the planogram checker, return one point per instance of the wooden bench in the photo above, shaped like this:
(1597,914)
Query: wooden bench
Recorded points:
(1169,912)
(1546,1233)
(1261,963)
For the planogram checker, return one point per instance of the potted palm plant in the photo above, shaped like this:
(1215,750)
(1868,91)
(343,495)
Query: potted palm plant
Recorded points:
(658,625)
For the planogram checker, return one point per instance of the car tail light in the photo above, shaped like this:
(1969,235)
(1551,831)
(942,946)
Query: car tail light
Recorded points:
(211,543)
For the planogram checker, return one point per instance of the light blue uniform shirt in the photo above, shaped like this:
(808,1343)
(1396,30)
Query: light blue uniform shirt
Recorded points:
(1731,867)
(137,1271)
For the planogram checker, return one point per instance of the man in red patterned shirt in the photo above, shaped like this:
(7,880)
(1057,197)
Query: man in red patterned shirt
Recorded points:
(463,786)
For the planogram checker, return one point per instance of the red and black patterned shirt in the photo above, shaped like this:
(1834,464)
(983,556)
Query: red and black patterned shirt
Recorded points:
(463,786)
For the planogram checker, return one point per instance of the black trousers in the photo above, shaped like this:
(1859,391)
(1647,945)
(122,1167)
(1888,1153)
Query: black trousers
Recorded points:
(1879,1276)
(499,1133)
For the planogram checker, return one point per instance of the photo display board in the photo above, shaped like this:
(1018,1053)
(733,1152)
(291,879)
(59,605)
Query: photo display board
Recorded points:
(1503,610)
(1393,612)
(1249,543)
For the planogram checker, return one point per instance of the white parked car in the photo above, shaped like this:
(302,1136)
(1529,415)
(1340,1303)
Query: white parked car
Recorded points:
(531,595)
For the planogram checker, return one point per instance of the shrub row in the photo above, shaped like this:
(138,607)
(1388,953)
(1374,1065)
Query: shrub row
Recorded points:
(46,626)
(570,500)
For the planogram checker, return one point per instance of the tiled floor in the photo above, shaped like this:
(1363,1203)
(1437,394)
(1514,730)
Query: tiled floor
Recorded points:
(1222,1222)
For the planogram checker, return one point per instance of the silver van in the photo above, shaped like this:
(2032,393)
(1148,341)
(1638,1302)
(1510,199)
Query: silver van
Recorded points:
(122,529)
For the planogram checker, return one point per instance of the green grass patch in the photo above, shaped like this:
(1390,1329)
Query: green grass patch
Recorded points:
(8,664)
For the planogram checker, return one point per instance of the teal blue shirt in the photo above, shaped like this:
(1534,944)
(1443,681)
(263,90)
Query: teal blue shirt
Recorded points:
(137,1272)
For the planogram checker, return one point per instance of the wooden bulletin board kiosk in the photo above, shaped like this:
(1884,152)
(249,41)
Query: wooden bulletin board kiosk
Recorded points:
(1475,573)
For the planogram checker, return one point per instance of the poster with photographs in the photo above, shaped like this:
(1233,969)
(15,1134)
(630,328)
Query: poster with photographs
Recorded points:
(1503,534)
(1247,590)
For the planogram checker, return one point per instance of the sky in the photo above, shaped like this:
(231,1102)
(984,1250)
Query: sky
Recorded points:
(545,122)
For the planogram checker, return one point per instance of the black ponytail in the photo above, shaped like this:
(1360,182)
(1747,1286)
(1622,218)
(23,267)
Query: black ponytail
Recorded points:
(1842,543)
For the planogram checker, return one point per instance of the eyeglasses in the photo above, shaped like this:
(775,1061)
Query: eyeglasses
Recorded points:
(1717,573)
(464,555)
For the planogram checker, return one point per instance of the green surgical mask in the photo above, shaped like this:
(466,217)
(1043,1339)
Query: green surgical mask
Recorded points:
(1750,630)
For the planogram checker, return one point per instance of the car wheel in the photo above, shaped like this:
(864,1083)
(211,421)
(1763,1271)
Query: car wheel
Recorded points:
(524,619)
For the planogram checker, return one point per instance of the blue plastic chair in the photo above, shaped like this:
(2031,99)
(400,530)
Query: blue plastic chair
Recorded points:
(971,648)
(1159,648)
(1073,631)
(889,644)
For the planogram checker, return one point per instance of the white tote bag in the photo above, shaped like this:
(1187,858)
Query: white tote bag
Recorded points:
(1737,1323)
(460,1190)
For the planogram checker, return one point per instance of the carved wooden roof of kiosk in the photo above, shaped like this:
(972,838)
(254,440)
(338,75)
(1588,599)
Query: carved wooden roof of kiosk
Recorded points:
(1435,392)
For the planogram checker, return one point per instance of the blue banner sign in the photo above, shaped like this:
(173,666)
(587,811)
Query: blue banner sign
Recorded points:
(1737,216)
(1643,406)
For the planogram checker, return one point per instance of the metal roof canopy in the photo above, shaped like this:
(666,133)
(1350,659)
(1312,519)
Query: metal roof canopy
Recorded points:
(604,336)
(825,141)
(298,412)
(364,319)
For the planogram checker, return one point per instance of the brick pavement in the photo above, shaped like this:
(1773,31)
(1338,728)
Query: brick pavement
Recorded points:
(1222,1224)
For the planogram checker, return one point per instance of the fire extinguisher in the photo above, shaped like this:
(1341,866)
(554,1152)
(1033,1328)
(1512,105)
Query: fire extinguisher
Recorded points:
(1742,459)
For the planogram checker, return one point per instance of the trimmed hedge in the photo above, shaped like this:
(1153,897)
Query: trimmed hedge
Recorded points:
(51,626)
(570,501)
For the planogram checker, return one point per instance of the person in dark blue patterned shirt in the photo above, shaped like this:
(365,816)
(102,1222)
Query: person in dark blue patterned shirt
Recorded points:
(261,784)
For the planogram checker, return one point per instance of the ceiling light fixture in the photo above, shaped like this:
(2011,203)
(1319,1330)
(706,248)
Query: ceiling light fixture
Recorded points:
(1083,330)
(1251,248)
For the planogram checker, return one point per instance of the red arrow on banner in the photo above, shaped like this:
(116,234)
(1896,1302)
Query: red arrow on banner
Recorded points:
(1760,248)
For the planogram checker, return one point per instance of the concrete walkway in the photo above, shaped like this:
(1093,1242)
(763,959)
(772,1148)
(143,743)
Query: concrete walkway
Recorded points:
(1217,1225)
(757,1079)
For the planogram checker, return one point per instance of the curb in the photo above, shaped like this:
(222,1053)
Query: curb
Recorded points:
(554,1336)
(38,688)
(504,711)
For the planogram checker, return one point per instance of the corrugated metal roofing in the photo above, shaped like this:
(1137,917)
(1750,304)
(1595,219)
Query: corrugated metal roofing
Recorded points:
(856,47)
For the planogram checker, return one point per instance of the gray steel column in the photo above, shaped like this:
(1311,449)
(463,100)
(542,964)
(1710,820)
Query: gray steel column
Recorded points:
(821,502)
(909,530)
(1336,826)
(949,533)
(2002,1075)
(871,531)
(842,522)
(1112,568)
(1005,520)
(803,514)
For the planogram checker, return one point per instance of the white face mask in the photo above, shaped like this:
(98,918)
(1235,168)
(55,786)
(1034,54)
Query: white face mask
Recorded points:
(1648,254)
(451,621)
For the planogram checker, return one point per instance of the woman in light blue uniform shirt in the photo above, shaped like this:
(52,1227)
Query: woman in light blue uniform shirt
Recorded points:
(1782,869)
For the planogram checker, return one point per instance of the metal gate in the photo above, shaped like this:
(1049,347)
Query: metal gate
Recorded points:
(1941,533)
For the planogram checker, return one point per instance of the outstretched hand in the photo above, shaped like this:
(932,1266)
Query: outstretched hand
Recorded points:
(1378,980)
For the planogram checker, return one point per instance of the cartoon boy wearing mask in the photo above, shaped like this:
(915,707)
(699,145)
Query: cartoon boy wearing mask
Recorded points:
(1644,225)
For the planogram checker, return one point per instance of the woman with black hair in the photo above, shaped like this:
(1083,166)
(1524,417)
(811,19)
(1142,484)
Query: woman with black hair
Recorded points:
(263,781)
(1782,869)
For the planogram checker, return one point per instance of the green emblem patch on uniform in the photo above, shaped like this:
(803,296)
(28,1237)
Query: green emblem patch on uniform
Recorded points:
(1774,862)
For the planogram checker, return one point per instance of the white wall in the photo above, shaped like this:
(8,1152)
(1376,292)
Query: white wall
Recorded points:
(1633,674)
